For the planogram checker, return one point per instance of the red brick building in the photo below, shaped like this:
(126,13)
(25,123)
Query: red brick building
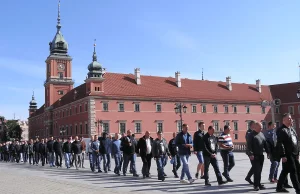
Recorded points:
(115,102)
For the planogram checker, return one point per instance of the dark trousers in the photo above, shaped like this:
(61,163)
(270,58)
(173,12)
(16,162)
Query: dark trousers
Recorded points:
(228,160)
(214,162)
(31,158)
(146,164)
(108,161)
(257,166)
(291,166)
(6,157)
(43,158)
(176,164)
(25,156)
(58,159)
(129,158)
(251,172)
(37,157)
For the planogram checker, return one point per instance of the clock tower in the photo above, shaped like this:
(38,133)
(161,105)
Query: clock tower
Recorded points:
(58,68)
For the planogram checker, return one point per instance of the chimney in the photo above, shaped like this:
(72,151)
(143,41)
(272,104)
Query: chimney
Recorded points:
(178,79)
(228,83)
(137,73)
(258,85)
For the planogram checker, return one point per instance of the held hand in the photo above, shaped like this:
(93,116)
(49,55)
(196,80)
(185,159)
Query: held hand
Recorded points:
(268,156)
(213,155)
(170,157)
(251,157)
(284,159)
(195,153)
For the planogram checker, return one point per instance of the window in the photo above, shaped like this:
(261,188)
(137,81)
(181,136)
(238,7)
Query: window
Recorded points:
(247,109)
(86,107)
(105,127)
(291,110)
(203,108)
(76,131)
(63,113)
(71,131)
(122,127)
(80,127)
(277,110)
(227,123)
(75,109)
(234,109)
(158,107)
(121,107)
(60,92)
(226,109)
(235,125)
(105,106)
(263,110)
(138,128)
(179,125)
(70,112)
(264,125)
(298,109)
(86,129)
(236,136)
(67,130)
(160,127)
(215,108)
(136,107)
(194,108)
(60,75)
(80,108)
(216,125)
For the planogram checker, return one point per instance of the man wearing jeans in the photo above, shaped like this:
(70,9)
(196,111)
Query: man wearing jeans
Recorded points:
(198,148)
(185,143)
(51,151)
(226,147)
(67,149)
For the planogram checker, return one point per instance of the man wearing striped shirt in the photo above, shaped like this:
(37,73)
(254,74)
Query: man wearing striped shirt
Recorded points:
(226,147)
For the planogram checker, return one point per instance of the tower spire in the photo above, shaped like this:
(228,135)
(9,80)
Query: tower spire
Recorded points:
(202,74)
(94,53)
(58,26)
(33,95)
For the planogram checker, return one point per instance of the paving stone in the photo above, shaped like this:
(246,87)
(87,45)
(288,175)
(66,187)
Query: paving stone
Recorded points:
(26,179)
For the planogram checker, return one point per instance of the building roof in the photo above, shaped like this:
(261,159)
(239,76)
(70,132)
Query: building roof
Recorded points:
(286,92)
(118,85)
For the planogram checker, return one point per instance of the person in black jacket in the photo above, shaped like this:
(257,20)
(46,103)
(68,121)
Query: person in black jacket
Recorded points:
(251,172)
(144,148)
(43,151)
(77,150)
(17,151)
(128,148)
(173,148)
(160,152)
(210,156)
(287,146)
(30,152)
(67,150)
(36,147)
(57,147)
(198,148)
(50,151)
(256,143)
(104,149)
(25,153)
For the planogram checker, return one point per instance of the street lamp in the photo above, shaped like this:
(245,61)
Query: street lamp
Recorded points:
(274,103)
(298,93)
(179,108)
(62,131)
(100,123)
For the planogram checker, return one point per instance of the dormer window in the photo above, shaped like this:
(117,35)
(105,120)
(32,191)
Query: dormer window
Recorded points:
(60,44)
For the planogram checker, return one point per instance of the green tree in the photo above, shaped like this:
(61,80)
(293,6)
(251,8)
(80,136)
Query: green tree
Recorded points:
(13,130)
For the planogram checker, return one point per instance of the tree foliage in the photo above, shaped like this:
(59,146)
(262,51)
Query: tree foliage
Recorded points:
(12,131)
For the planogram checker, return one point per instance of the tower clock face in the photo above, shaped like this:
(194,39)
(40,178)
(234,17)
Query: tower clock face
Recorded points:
(61,67)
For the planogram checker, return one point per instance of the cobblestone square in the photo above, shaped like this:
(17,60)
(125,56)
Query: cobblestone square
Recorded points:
(25,179)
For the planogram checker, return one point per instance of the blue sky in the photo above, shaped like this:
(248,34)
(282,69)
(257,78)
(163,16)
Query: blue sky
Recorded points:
(247,40)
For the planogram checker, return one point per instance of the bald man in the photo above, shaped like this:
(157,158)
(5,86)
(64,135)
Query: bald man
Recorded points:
(144,148)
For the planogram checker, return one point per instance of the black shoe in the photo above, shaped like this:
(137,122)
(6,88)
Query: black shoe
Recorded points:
(148,176)
(124,174)
(229,179)
(197,175)
(256,188)
(249,181)
(165,175)
(282,190)
(262,187)
(100,171)
(207,183)
(288,186)
(176,176)
(222,182)
(136,175)
(161,179)
(144,176)
(202,177)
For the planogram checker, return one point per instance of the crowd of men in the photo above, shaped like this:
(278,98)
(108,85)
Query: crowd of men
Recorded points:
(280,144)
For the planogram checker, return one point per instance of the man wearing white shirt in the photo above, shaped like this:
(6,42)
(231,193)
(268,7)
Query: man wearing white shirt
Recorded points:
(144,148)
